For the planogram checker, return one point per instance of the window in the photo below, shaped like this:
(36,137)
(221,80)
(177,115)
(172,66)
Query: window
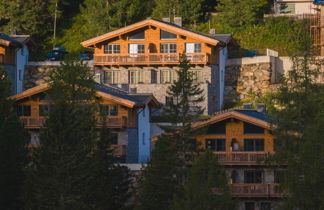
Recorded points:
(168,48)
(44,109)
(111,48)
(136,77)
(265,206)
(253,144)
(153,76)
(168,76)
(217,128)
(249,206)
(216,144)
(109,109)
(197,76)
(252,177)
(139,35)
(278,176)
(114,138)
(20,74)
(136,48)
(287,8)
(23,110)
(193,48)
(252,129)
(165,35)
(143,138)
(234,177)
(112,77)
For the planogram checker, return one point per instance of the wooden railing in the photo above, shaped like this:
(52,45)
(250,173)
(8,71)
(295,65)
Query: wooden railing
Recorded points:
(33,122)
(256,190)
(240,157)
(111,122)
(119,150)
(152,58)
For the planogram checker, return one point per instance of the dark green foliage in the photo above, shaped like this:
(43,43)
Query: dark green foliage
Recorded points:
(13,151)
(206,187)
(159,182)
(300,135)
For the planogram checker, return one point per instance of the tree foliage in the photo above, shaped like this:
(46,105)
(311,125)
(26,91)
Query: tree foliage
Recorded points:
(13,151)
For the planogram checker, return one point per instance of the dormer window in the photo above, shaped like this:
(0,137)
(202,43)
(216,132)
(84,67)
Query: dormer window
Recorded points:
(165,35)
(112,48)
(193,47)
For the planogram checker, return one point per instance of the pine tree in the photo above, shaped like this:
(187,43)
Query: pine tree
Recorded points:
(206,187)
(159,182)
(167,8)
(300,135)
(13,151)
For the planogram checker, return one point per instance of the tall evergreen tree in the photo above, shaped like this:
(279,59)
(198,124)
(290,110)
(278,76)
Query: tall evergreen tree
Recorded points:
(206,187)
(13,151)
(300,135)
(167,8)
(159,181)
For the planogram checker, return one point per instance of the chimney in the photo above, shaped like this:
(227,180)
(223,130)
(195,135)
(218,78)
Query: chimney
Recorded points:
(167,19)
(212,31)
(261,108)
(247,106)
(178,21)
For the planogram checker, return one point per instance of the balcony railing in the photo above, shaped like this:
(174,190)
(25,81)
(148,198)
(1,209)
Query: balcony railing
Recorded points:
(256,190)
(240,157)
(33,122)
(144,59)
(111,122)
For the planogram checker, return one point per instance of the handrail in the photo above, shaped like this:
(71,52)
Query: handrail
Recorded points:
(260,190)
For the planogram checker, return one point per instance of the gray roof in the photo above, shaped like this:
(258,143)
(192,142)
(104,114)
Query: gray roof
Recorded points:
(219,37)
(20,38)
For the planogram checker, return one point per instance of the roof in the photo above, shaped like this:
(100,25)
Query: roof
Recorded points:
(23,39)
(106,92)
(7,40)
(213,40)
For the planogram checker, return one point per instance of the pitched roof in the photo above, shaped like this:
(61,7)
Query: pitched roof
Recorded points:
(213,40)
(107,92)
(7,40)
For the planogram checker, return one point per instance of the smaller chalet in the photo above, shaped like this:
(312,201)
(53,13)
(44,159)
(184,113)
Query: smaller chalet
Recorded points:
(128,115)
(14,56)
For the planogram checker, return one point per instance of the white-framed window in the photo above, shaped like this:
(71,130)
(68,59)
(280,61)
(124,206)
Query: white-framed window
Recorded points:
(136,77)
(112,77)
(197,76)
(168,76)
(193,47)
(168,47)
(136,48)
(112,48)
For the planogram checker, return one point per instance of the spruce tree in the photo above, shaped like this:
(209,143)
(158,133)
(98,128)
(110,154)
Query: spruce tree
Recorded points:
(13,151)
(300,136)
(206,187)
(159,182)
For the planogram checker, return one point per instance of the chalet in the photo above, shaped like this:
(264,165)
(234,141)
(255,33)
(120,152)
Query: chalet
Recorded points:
(128,115)
(143,58)
(14,55)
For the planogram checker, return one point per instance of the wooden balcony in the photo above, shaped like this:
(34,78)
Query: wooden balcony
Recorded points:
(241,158)
(256,190)
(33,122)
(147,59)
(119,151)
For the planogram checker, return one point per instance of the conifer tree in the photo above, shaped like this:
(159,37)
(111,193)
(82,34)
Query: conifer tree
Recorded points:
(299,134)
(159,181)
(206,187)
(13,151)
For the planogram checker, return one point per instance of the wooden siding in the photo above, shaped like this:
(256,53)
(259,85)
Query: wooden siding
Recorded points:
(152,55)
(7,55)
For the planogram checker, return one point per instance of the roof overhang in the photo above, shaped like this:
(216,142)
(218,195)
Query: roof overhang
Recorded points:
(144,23)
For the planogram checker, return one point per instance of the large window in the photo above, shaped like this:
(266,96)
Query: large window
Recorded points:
(217,128)
(168,76)
(136,48)
(111,48)
(253,144)
(197,76)
(193,48)
(168,48)
(109,109)
(139,35)
(23,110)
(136,77)
(252,177)
(165,35)
(216,144)
(44,109)
(252,129)
(112,77)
